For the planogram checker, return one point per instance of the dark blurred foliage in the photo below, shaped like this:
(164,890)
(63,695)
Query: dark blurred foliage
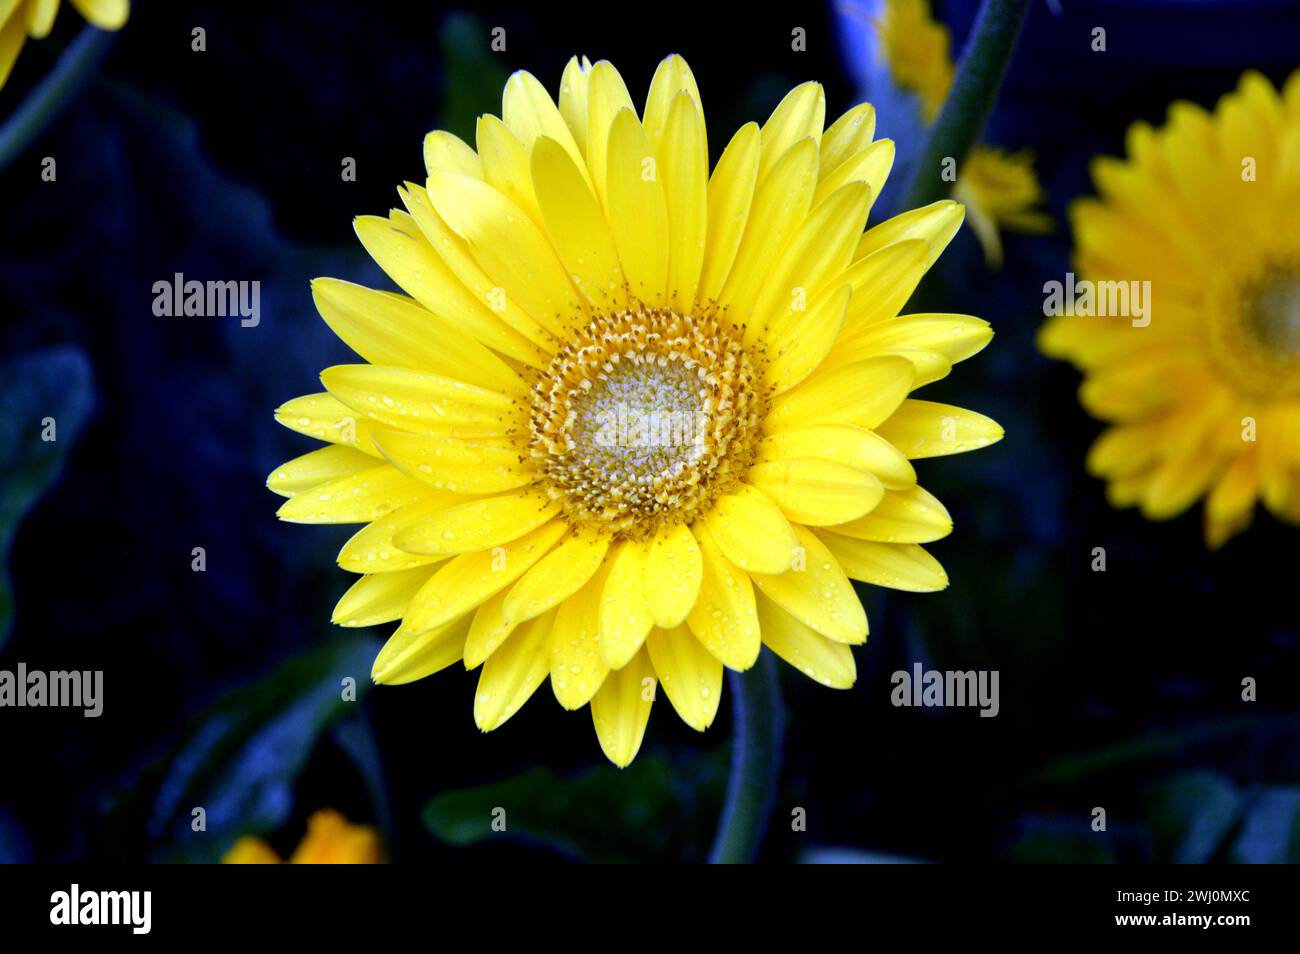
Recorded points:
(1119,689)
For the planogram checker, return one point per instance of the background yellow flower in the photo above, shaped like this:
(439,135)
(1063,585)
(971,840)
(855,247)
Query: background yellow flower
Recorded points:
(999,189)
(1203,394)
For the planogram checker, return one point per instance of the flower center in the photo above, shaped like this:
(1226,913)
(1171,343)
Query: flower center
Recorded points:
(1272,315)
(644,418)
(1255,327)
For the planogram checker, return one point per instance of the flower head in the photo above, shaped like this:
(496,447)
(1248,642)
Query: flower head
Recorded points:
(634,420)
(1203,391)
(330,840)
(20,19)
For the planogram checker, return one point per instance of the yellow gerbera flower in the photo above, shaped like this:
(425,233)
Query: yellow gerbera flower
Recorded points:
(1000,189)
(330,840)
(1204,389)
(20,19)
(634,420)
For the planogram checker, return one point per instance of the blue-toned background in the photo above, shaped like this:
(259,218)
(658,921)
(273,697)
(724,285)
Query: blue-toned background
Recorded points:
(1119,689)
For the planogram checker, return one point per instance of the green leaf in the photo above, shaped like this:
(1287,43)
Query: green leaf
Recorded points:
(239,758)
(45,398)
(655,810)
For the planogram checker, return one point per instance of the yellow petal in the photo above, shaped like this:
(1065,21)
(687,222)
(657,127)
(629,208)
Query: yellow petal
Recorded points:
(781,202)
(507,166)
(464,582)
(883,282)
(393,330)
(817,657)
(479,524)
(863,393)
(576,226)
(606,96)
(426,403)
(731,192)
(443,150)
(620,710)
(450,463)
(801,342)
(556,577)
(1231,504)
(684,169)
(530,113)
(509,247)
(638,213)
(723,618)
(305,472)
(672,78)
(819,251)
(326,418)
(934,224)
(573,99)
(105,14)
(899,566)
(40,17)
(487,631)
(904,516)
(817,592)
(625,618)
(577,670)
(408,655)
(399,245)
(800,115)
(452,283)
(817,492)
(371,549)
(870,166)
(691,677)
(848,136)
(379,597)
(512,674)
(1178,482)
(927,429)
(12,36)
(844,444)
(956,337)
(355,498)
(673,570)
(751,531)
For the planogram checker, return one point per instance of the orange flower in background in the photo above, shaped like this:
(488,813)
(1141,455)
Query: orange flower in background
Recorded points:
(330,840)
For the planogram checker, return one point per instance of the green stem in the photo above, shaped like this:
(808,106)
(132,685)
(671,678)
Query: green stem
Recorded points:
(78,62)
(974,90)
(755,762)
